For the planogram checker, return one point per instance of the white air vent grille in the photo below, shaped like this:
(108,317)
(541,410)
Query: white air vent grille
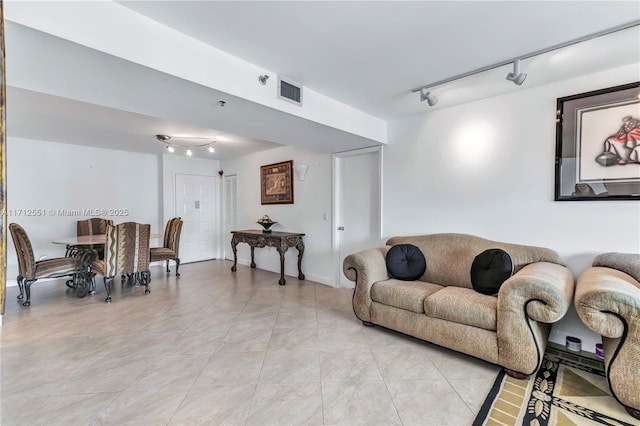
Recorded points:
(289,91)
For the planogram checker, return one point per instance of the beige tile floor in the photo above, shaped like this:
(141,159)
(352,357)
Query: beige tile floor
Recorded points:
(216,347)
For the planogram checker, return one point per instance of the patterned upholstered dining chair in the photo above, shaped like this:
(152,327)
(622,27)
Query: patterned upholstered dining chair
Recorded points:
(126,253)
(30,270)
(170,249)
(93,226)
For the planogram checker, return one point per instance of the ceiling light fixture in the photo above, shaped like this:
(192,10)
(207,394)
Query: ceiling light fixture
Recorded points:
(516,76)
(429,97)
(190,145)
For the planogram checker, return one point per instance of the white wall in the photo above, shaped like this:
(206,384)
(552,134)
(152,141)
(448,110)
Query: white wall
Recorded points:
(312,199)
(487,168)
(49,176)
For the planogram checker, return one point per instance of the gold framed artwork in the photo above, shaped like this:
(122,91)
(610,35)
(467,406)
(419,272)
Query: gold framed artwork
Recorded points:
(276,183)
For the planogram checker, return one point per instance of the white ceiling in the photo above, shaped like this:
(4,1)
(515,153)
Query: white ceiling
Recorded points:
(365,54)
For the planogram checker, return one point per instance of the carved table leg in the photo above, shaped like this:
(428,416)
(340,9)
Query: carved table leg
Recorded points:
(300,247)
(281,251)
(234,248)
(253,264)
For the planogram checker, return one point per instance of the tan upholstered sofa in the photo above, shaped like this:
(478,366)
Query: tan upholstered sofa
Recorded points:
(510,329)
(608,302)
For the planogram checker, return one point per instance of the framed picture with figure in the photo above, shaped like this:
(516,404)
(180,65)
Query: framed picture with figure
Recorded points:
(598,145)
(276,183)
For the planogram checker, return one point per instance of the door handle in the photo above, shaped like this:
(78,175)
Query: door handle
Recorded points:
(340,228)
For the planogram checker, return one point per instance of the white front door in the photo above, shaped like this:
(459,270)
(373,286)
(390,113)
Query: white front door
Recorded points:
(358,204)
(230,200)
(196,205)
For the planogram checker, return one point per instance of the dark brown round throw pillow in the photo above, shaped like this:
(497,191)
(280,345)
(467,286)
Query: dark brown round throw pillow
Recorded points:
(489,270)
(405,262)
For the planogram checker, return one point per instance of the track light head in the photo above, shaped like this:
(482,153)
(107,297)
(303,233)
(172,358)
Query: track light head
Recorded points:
(211,150)
(429,97)
(170,148)
(189,152)
(516,76)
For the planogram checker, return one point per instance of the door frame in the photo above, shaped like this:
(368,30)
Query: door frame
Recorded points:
(223,212)
(336,160)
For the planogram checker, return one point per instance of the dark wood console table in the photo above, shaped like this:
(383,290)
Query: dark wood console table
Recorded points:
(280,240)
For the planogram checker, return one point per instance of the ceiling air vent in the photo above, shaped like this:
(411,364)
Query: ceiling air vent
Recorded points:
(290,91)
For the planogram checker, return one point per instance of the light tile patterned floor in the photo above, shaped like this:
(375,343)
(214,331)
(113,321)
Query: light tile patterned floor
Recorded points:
(216,347)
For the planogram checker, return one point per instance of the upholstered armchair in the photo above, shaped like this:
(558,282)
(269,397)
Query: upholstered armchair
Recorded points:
(93,226)
(30,270)
(608,302)
(126,253)
(170,249)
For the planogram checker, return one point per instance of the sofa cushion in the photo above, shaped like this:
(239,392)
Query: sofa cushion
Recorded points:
(405,262)
(490,269)
(463,306)
(408,295)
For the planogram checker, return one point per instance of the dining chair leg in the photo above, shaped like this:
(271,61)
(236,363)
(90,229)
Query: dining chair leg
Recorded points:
(177,266)
(27,290)
(107,286)
(168,270)
(20,286)
(145,279)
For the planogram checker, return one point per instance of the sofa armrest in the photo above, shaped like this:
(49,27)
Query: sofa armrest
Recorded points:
(537,295)
(365,268)
(604,298)
(608,302)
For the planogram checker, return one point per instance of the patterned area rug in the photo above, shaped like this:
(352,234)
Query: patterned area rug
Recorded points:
(562,393)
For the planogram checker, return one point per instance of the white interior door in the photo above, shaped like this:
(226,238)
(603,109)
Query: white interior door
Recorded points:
(196,205)
(358,204)
(230,200)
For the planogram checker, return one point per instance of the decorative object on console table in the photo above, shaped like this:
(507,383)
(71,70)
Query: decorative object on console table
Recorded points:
(598,145)
(276,183)
(280,240)
(266,223)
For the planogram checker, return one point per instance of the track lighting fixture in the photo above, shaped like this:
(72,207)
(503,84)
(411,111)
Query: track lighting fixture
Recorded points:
(263,79)
(516,76)
(189,148)
(429,97)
